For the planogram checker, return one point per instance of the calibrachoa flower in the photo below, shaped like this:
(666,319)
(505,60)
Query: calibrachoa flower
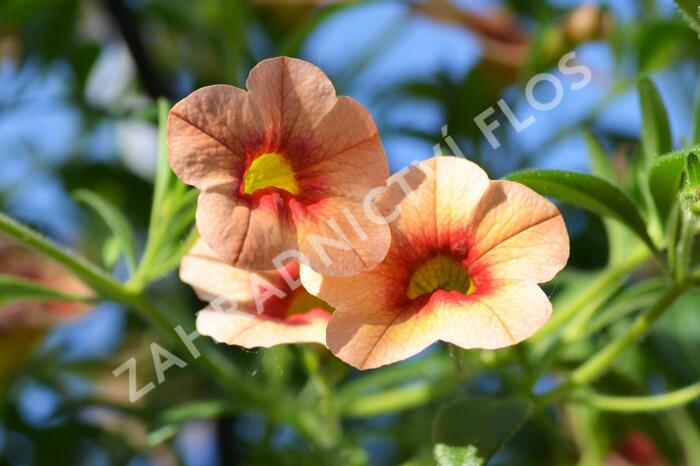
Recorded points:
(23,323)
(252,309)
(466,256)
(284,166)
(18,261)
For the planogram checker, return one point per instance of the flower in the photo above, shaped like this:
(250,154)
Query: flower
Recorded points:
(23,323)
(466,256)
(18,261)
(282,167)
(252,309)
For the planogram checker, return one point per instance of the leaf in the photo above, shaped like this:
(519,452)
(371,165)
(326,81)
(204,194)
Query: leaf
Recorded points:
(601,166)
(446,455)
(18,289)
(471,430)
(115,220)
(588,192)
(665,179)
(656,131)
(600,162)
(164,175)
(690,10)
(167,425)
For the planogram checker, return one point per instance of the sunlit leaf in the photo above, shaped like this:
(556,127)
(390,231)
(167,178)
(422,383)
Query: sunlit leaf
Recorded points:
(690,10)
(115,220)
(469,431)
(656,131)
(588,192)
(602,166)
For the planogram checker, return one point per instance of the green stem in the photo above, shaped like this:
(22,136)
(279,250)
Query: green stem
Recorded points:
(164,175)
(211,360)
(101,281)
(685,247)
(390,401)
(596,365)
(607,280)
(110,288)
(632,404)
(599,363)
(332,426)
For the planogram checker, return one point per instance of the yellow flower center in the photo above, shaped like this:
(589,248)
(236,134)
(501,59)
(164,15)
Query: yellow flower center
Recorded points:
(439,273)
(270,170)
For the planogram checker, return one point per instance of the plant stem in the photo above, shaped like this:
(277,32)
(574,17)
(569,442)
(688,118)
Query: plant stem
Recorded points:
(599,363)
(643,403)
(391,400)
(110,288)
(100,280)
(596,365)
(685,247)
(608,279)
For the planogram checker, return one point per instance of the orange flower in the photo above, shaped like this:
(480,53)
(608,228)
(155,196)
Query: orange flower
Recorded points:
(19,261)
(466,256)
(24,323)
(282,167)
(253,309)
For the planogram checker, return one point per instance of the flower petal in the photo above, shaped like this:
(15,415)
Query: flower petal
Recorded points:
(505,314)
(347,158)
(243,234)
(251,331)
(204,149)
(367,336)
(338,239)
(521,235)
(292,96)
(213,278)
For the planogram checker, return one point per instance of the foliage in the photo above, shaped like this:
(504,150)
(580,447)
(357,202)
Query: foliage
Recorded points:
(616,361)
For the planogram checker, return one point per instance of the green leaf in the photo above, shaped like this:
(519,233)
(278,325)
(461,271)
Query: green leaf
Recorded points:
(471,430)
(691,13)
(18,289)
(446,455)
(115,220)
(656,131)
(602,167)
(600,162)
(169,421)
(588,192)
(164,175)
(665,179)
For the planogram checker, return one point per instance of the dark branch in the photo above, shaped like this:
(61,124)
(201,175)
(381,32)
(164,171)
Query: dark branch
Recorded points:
(153,85)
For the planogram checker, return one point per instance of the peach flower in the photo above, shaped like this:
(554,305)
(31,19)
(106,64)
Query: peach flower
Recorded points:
(252,309)
(19,261)
(282,167)
(466,256)
(24,323)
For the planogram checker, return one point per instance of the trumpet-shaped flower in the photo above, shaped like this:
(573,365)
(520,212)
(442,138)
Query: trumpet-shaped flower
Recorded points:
(282,167)
(18,261)
(466,258)
(23,323)
(252,309)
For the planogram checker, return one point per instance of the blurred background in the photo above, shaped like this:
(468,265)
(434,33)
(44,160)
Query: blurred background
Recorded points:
(78,84)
